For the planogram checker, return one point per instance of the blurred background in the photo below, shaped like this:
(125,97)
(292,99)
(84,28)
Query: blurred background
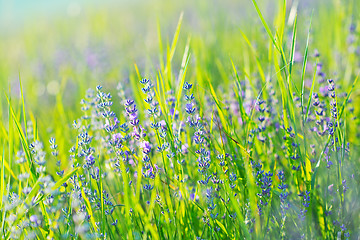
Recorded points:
(79,44)
(62,48)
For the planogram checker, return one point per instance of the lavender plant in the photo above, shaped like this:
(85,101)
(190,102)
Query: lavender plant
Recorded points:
(207,147)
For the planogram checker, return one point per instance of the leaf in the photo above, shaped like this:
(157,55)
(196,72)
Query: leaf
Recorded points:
(33,173)
(304,67)
(182,74)
(310,95)
(2,180)
(64,179)
(222,227)
(265,25)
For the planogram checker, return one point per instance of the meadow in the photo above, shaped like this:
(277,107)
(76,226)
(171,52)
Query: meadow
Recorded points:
(182,120)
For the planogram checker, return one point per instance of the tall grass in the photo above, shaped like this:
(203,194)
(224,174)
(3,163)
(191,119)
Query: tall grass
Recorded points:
(228,131)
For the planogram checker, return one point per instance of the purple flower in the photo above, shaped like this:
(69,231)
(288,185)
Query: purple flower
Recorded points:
(116,136)
(189,108)
(162,123)
(184,149)
(34,218)
(129,102)
(187,86)
(172,112)
(146,147)
(261,118)
(148,187)
(343,228)
(90,160)
(319,67)
(116,121)
(144,81)
(133,116)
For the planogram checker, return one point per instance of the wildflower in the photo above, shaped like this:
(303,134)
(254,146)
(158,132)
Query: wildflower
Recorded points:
(187,86)
(146,147)
(189,108)
(90,160)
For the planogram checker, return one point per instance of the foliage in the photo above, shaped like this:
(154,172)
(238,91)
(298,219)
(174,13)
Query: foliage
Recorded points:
(252,136)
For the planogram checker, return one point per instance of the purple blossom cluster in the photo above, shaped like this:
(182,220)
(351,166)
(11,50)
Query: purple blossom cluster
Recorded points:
(231,161)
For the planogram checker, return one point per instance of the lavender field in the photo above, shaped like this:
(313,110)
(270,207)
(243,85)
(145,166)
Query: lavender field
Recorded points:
(180,120)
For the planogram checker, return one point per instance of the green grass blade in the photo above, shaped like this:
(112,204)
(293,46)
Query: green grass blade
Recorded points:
(265,25)
(23,105)
(292,53)
(64,179)
(310,95)
(304,67)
